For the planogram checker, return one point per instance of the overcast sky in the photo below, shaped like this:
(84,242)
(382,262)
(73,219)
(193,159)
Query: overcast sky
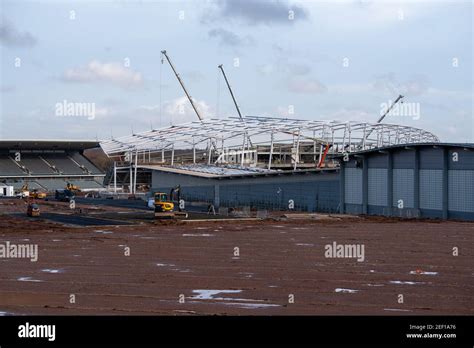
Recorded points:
(299,59)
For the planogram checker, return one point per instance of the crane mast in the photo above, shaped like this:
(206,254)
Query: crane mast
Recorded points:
(182,85)
(233,98)
(231,93)
(400,97)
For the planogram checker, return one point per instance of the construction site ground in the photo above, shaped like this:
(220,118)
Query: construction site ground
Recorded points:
(118,260)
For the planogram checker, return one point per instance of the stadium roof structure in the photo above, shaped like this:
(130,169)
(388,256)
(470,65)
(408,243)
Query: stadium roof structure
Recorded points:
(344,136)
(48,144)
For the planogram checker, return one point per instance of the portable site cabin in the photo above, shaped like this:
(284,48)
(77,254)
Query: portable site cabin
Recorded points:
(7,191)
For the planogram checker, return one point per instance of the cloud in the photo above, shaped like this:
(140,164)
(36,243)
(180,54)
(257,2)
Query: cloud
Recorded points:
(10,36)
(388,83)
(255,12)
(177,111)
(7,88)
(283,62)
(228,38)
(96,71)
(306,86)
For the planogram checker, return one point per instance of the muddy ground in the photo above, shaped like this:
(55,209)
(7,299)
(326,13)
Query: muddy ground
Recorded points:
(194,268)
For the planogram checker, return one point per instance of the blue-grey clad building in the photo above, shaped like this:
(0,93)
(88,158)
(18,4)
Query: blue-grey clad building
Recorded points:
(431,180)
(420,180)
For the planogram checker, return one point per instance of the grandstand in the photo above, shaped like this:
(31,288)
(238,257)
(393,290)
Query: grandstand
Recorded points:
(48,164)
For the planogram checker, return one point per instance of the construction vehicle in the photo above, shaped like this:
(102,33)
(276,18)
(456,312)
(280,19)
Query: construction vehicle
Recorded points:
(72,187)
(24,192)
(64,195)
(38,194)
(164,205)
(164,209)
(321,163)
(33,209)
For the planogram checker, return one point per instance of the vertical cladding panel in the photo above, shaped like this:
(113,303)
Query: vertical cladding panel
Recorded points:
(431,189)
(403,187)
(431,158)
(195,193)
(377,190)
(404,159)
(306,196)
(461,190)
(353,185)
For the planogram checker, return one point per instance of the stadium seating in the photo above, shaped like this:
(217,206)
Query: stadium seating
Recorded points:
(49,170)
(63,164)
(8,167)
(36,165)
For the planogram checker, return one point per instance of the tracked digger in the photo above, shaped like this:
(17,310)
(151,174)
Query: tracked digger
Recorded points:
(165,207)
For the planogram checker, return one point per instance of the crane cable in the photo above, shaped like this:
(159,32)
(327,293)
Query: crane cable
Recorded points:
(218,93)
(161,73)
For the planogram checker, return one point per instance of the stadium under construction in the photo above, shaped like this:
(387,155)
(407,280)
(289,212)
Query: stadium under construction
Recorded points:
(307,165)
(263,163)
(280,164)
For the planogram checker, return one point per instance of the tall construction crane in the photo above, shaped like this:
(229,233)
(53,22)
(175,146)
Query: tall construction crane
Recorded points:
(231,93)
(233,97)
(399,98)
(182,85)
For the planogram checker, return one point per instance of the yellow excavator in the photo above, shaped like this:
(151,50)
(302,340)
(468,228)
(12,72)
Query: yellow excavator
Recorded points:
(72,187)
(35,193)
(164,206)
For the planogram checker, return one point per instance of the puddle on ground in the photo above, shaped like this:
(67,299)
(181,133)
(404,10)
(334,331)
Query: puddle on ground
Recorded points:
(304,244)
(238,302)
(251,305)
(197,235)
(209,294)
(423,273)
(397,310)
(346,291)
(375,285)
(165,265)
(52,271)
(103,232)
(405,282)
(28,279)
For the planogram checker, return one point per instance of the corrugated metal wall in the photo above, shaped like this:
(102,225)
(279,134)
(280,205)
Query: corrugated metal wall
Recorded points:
(403,188)
(377,186)
(313,192)
(416,181)
(431,189)
(353,185)
(431,181)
